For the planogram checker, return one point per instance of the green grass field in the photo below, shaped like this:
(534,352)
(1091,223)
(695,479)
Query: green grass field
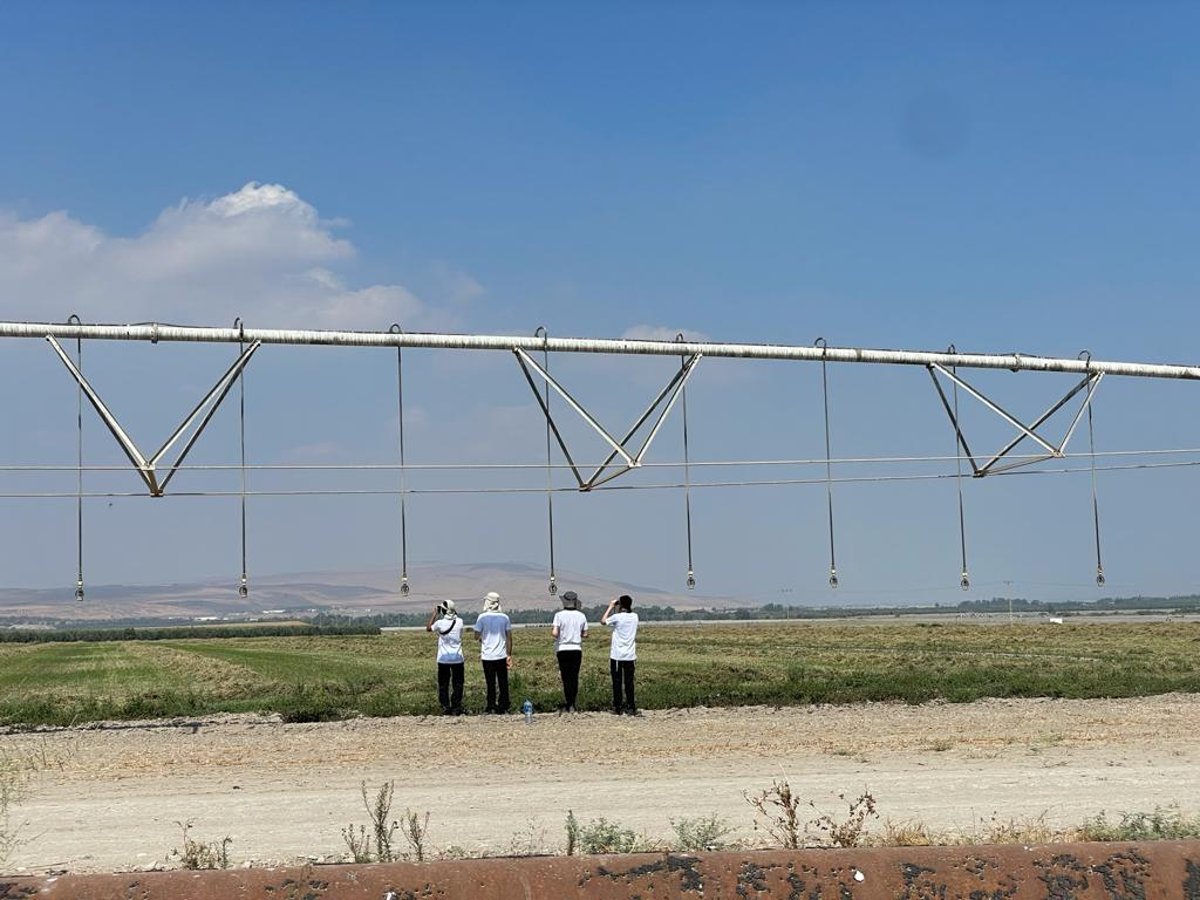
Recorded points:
(781,663)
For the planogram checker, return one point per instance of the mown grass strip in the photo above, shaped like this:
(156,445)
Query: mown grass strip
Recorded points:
(779,663)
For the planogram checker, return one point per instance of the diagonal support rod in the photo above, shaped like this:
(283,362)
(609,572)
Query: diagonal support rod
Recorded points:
(673,390)
(131,451)
(959,436)
(528,360)
(1090,382)
(148,469)
(207,406)
(998,410)
(1085,407)
(542,402)
(619,448)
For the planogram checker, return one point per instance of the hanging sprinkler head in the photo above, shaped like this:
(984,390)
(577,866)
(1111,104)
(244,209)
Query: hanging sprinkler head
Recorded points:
(404,586)
(691,580)
(553,586)
(965,581)
(243,589)
(833,579)
(1099,577)
(79,591)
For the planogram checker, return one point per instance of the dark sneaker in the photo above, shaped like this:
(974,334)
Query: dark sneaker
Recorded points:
(617,711)
(632,711)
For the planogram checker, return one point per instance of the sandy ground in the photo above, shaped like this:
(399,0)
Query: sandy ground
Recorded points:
(109,799)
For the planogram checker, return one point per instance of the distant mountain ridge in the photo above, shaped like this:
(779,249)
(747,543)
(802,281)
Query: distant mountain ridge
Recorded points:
(345,592)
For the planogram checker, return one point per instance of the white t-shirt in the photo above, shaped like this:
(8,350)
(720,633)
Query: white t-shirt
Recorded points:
(492,627)
(572,626)
(624,639)
(449,632)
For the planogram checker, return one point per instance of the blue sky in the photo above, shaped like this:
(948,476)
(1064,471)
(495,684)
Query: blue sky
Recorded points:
(1003,177)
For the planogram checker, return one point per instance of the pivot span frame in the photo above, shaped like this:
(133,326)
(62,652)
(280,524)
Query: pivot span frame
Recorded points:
(941,366)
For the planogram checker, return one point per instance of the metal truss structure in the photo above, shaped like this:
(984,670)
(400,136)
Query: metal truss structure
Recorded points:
(195,421)
(623,457)
(1052,451)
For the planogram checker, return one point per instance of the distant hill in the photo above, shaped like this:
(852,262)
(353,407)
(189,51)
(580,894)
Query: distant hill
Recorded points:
(360,592)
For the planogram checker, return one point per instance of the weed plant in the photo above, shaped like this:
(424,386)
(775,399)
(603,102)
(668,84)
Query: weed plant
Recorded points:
(12,790)
(416,827)
(702,833)
(1016,830)
(779,814)
(374,844)
(603,836)
(1163,824)
(572,828)
(17,769)
(529,841)
(848,831)
(200,855)
(910,833)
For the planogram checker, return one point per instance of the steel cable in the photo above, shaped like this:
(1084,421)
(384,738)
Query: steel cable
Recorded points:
(833,575)
(404,587)
(965,579)
(1095,502)
(662,486)
(540,466)
(79,484)
(244,586)
(687,476)
(552,587)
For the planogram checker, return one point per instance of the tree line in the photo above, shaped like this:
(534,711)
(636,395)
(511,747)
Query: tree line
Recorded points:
(343,624)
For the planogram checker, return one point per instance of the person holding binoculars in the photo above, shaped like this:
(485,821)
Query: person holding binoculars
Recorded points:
(622,657)
(444,621)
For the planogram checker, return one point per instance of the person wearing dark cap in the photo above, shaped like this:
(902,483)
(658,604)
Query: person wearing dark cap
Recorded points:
(446,624)
(569,630)
(623,655)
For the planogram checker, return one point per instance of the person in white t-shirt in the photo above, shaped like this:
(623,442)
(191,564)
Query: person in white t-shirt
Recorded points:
(494,632)
(569,630)
(446,624)
(623,654)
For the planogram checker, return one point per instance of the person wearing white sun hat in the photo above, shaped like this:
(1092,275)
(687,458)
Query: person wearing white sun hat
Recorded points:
(494,633)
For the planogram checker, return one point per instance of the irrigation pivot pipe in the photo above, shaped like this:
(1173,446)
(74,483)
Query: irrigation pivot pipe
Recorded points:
(1016,362)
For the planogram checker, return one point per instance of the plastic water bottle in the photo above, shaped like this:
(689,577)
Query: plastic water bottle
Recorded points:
(527,708)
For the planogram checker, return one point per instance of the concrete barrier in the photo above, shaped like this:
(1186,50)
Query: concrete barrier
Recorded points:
(1125,871)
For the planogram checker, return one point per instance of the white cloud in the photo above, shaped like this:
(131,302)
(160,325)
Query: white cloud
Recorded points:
(661,333)
(261,253)
(319,453)
(458,286)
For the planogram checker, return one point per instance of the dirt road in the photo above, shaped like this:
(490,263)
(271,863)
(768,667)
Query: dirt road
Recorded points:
(108,799)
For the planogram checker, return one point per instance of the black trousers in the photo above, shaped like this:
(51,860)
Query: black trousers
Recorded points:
(568,667)
(450,699)
(622,674)
(495,673)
